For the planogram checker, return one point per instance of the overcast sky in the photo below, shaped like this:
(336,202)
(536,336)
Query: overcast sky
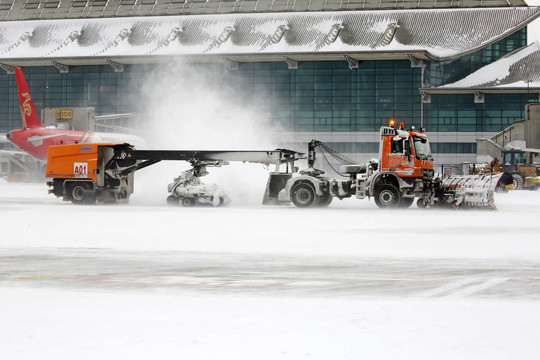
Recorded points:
(534,28)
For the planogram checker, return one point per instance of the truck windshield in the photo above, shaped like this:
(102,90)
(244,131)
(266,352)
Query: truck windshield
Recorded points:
(421,148)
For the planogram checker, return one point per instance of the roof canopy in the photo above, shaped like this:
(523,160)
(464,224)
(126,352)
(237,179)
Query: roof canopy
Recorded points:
(516,72)
(70,9)
(391,34)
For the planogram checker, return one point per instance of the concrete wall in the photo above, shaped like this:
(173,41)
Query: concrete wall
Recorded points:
(532,127)
(489,148)
(520,134)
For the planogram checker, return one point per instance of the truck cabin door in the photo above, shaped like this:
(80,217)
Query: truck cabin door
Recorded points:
(400,159)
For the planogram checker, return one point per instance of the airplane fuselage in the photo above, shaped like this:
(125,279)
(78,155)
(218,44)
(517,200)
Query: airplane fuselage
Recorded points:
(36,141)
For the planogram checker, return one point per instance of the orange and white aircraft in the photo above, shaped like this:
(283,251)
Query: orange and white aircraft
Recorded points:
(35,139)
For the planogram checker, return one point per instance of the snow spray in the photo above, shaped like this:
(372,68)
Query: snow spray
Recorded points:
(204,107)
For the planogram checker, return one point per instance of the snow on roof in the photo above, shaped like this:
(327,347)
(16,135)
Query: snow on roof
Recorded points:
(441,33)
(13,10)
(520,69)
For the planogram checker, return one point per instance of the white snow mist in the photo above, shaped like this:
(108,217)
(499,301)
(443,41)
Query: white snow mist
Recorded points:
(204,107)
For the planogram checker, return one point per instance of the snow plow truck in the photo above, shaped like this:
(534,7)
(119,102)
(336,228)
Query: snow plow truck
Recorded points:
(89,173)
(403,172)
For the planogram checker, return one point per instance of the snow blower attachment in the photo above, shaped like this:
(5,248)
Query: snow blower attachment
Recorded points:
(103,172)
(468,190)
(188,190)
(403,172)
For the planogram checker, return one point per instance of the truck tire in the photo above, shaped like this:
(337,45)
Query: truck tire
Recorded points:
(89,197)
(505,179)
(387,196)
(422,203)
(172,200)
(518,183)
(78,191)
(325,200)
(188,201)
(303,195)
(406,202)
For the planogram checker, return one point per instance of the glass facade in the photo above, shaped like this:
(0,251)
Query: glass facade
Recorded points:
(452,113)
(317,97)
(96,86)
(449,71)
(323,96)
(330,97)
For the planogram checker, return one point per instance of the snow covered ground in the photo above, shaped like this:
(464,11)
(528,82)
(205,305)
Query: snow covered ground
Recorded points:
(49,310)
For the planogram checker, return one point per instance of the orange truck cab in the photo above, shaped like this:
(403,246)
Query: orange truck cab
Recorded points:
(80,173)
(406,153)
(405,167)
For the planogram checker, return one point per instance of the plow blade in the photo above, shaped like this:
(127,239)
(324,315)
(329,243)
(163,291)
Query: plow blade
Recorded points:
(470,190)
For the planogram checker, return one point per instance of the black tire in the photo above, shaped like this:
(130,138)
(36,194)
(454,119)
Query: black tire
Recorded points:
(172,200)
(78,192)
(505,179)
(406,202)
(303,195)
(501,188)
(422,203)
(325,200)
(387,196)
(518,183)
(188,201)
(89,197)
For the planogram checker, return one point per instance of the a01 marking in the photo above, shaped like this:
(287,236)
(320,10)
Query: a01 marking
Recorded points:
(80,170)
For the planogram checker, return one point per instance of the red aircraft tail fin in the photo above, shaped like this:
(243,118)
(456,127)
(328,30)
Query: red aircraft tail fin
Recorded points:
(28,111)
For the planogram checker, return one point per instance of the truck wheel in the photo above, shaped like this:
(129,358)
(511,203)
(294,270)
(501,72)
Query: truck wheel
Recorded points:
(172,200)
(387,196)
(325,200)
(89,197)
(79,192)
(188,202)
(506,179)
(422,203)
(406,202)
(517,183)
(303,195)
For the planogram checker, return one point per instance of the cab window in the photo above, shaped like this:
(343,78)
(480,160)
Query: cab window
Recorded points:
(519,158)
(397,146)
(507,158)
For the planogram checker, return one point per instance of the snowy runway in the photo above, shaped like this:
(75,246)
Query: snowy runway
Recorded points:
(147,280)
(192,273)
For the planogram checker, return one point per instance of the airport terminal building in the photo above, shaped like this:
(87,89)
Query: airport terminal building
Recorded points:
(330,69)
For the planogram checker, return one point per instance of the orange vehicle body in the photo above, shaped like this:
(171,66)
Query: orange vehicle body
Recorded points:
(73,161)
(82,173)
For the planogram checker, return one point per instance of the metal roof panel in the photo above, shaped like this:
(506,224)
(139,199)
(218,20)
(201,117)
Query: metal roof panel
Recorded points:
(443,33)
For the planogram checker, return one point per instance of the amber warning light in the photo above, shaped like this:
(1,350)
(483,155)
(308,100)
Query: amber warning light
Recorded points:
(392,122)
